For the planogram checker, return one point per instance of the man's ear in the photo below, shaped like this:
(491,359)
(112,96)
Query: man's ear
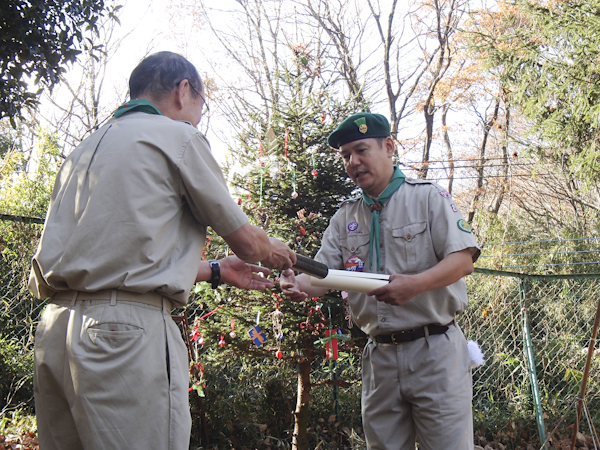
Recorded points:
(180,93)
(390,146)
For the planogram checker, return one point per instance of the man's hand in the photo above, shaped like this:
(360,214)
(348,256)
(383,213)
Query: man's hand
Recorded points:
(290,287)
(402,288)
(281,257)
(236,272)
(398,291)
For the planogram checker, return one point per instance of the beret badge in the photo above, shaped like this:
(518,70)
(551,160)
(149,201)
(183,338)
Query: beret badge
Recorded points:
(362,125)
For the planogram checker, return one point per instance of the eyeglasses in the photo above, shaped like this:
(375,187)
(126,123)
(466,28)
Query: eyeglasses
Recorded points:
(205,108)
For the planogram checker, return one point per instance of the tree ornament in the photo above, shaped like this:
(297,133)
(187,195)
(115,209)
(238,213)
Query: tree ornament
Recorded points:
(294,195)
(201,340)
(279,354)
(285,143)
(222,341)
(314,172)
(233,334)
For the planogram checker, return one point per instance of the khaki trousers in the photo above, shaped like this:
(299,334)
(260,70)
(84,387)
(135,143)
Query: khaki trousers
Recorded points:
(111,375)
(418,390)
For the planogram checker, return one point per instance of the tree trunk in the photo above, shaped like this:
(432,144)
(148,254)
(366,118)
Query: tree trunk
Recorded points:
(504,185)
(301,415)
(486,133)
(448,147)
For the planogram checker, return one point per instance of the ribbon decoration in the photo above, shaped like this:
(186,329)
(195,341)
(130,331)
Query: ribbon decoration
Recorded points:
(331,343)
(285,141)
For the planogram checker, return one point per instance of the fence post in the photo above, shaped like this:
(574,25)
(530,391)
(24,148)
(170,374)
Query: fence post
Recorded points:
(537,404)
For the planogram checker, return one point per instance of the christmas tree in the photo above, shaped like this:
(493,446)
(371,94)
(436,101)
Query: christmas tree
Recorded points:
(289,182)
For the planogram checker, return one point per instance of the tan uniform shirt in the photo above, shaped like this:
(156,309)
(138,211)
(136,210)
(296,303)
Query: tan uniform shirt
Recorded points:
(130,209)
(419,226)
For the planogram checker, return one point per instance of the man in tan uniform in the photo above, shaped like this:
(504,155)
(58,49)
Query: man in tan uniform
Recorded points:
(415,369)
(121,246)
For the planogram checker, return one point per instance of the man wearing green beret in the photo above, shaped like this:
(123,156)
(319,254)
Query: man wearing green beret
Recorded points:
(415,369)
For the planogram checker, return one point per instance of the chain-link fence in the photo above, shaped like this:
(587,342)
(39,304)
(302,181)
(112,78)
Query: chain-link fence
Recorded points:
(506,313)
(555,315)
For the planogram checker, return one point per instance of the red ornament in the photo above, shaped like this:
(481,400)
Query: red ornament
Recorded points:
(201,340)
(302,231)
(222,341)
(314,172)
(279,354)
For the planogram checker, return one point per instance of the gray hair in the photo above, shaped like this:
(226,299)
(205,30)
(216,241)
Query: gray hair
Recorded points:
(158,74)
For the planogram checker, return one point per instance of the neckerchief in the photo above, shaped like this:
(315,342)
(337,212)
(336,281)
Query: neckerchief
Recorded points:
(140,104)
(376,206)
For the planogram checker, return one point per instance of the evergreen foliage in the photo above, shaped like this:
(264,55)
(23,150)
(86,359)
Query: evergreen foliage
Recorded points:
(37,39)
(290,183)
(546,57)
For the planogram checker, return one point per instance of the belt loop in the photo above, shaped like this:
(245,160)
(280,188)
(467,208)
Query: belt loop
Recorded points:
(165,305)
(113,297)
(74,298)
(426,329)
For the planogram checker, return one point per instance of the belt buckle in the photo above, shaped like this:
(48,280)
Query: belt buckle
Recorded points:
(401,333)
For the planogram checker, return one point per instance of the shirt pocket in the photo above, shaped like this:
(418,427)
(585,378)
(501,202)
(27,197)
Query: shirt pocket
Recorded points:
(413,247)
(355,245)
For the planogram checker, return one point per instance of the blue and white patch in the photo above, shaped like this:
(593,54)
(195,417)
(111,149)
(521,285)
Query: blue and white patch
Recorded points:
(354,229)
(354,264)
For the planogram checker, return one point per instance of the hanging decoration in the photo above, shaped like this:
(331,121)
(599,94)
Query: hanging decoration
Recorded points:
(233,334)
(317,322)
(277,319)
(314,172)
(257,334)
(285,143)
(198,384)
(222,342)
(294,186)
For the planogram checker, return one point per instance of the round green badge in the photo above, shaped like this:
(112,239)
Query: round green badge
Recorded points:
(463,225)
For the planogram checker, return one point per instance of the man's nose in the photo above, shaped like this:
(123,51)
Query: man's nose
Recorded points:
(354,160)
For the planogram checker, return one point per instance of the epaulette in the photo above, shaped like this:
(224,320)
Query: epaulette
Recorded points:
(352,199)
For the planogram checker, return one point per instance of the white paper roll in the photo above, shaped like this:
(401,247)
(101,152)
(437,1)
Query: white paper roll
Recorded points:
(345,280)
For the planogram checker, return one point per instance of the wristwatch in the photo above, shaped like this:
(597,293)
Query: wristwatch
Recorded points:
(215,276)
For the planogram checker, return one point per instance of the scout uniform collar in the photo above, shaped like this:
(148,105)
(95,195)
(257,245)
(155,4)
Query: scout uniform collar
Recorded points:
(140,104)
(376,206)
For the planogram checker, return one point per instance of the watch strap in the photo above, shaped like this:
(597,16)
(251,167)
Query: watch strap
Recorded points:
(215,276)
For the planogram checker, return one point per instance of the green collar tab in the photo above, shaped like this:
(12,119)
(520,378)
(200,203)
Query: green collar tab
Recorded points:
(141,105)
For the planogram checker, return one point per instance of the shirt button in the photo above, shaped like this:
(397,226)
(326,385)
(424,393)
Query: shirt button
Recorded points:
(408,237)
(381,269)
(380,245)
(383,319)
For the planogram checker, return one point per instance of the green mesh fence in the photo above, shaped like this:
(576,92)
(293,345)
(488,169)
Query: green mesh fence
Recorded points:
(560,313)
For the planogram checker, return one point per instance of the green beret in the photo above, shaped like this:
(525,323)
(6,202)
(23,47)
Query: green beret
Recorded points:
(359,126)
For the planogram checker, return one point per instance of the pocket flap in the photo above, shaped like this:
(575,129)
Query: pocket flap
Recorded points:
(352,243)
(409,231)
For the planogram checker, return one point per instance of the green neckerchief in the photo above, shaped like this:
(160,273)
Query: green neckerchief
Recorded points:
(376,206)
(139,104)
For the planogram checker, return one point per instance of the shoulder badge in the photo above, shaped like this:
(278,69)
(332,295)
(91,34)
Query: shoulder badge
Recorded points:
(463,225)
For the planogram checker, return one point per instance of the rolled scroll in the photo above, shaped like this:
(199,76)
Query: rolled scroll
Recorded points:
(345,280)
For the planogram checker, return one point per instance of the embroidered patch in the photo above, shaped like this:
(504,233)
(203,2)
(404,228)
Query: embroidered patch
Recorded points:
(352,226)
(454,207)
(463,225)
(444,193)
(354,264)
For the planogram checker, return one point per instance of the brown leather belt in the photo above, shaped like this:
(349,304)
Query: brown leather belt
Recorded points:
(112,296)
(412,335)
